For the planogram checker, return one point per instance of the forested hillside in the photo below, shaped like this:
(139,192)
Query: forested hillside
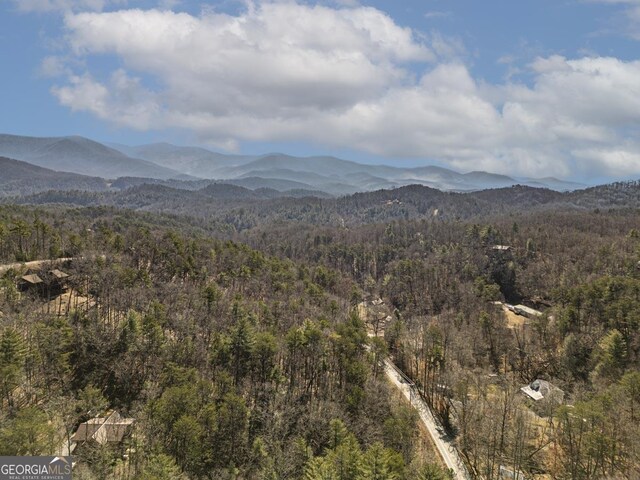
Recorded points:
(233,363)
(240,209)
(239,341)
(470,357)
(20,178)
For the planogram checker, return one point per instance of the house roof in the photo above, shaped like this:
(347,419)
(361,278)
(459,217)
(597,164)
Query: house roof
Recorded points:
(523,309)
(530,392)
(59,274)
(111,429)
(33,279)
(539,389)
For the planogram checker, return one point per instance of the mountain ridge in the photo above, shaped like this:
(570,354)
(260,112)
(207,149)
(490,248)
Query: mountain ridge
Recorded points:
(80,155)
(236,207)
(166,161)
(22,178)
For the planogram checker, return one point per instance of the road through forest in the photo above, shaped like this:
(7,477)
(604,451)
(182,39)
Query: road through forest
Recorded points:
(445,447)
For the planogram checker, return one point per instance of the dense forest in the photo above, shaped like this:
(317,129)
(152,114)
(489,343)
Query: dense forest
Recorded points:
(234,364)
(233,332)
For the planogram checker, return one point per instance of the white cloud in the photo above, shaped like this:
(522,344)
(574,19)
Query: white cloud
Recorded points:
(121,100)
(618,160)
(589,91)
(275,60)
(350,77)
(54,66)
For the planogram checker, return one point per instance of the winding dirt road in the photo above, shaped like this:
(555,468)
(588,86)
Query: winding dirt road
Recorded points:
(35,264)
(444,445)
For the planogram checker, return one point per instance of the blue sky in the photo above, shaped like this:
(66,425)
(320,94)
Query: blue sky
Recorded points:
(531,87)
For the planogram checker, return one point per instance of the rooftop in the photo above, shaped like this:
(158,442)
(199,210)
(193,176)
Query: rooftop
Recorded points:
(539,389)
(59,274)
(524,310)
(33,279)
(102,430)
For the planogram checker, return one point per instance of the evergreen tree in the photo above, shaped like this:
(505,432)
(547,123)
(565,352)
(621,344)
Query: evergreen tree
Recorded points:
(12,355)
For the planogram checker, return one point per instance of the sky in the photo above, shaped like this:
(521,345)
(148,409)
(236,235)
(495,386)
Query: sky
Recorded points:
(526,88)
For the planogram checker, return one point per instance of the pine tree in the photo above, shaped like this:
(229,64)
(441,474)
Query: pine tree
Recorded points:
(320,468)
(160,467)
(12,354)
(375,464)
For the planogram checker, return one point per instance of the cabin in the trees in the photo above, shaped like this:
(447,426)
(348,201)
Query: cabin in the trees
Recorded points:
(524,311)
(45,283)
(543,390)
(527,311)
(111,429)
(32,283)
(58,281)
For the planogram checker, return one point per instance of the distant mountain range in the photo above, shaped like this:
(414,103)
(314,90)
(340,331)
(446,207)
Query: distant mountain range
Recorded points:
(231,208)
(250,192)
(79,155)
(20,179)
(181,166)
(193,161)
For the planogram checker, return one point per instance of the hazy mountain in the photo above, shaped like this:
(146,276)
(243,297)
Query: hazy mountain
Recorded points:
(261,185)
(21,178)
(79,155)
(279,184)
(554,184)
(195,161)
(278,171)
(300,176)
(122,183)
(325,166)
(329,184)
(343,177)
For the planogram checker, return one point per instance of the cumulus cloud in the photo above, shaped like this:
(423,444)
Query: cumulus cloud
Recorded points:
(122,99)
(351,77)
(619,160)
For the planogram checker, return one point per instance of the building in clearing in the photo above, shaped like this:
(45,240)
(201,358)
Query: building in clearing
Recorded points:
(47,284)
(525,311)
(103,430)
(31,280)
(32,283)
(57,282)
(541,389)
(59,275)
